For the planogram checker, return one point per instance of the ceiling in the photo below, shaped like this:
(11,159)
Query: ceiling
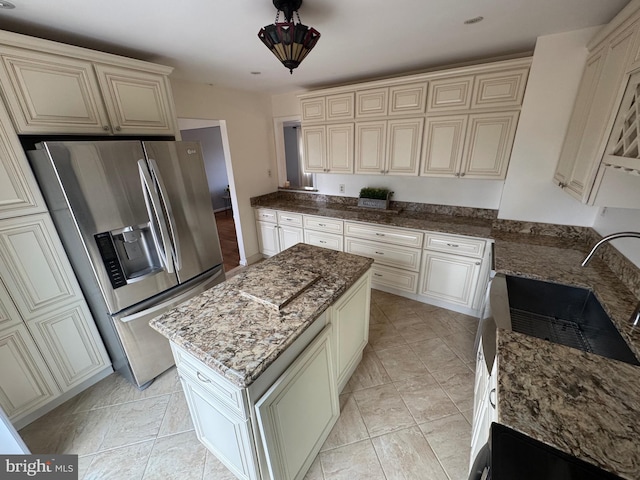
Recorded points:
(215,41)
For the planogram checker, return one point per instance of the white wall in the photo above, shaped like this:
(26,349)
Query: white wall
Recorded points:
(611,220)
(529,193)
(247,119)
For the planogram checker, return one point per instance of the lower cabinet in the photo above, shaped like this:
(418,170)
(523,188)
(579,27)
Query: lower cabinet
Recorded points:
(451,278)
(268,240)
(485,401)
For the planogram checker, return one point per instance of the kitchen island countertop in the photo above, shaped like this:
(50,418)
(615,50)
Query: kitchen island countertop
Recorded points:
(240,336)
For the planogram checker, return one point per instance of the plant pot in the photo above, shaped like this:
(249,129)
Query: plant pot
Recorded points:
(374,202)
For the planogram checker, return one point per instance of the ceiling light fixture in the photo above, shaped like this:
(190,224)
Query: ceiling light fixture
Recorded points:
(289,41)
(7,5)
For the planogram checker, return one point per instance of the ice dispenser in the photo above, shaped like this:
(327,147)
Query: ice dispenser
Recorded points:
(128,254)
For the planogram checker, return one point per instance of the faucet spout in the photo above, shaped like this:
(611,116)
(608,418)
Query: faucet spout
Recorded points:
(607,239)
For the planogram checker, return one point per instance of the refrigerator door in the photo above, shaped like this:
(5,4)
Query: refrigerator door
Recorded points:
(102,184)
(178,168)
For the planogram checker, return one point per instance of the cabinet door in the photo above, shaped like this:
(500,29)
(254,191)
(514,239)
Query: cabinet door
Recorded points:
(268,238)
(488,145)
(403,146)
(448,94)
(227,436)
(449,277)
(584,99)
(34,266)
(340,148)
(372,103)
(137,102)
(370,147)
(350,321)
(442,145)
(312,109)
(71,344)
(395,278)
(9,315)
(51,94)
(599,116)
(289,236)
(25,382)
(340,106)
(499,89)
(314,144)
(19,192)
(407,99)
(298,412)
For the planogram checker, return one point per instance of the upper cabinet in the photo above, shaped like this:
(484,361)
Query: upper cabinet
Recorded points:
(51,88)
(594,162)
(459,122)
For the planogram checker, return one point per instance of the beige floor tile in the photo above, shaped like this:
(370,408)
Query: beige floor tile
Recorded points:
(450,439)
(355,461)
(380,298)
(179,457)
(401,363)
(349,428)
(414,328)
(384,335)
(425,399)
(407,455)
(467,321)
(113,390)
(136,422)
(177,418)
(457,381)
(369,373)
(83,465)
(215,470)
(440,321)
(125,463)
(468,414)
(376,316)
(397,311)
(462,344)
(315,472)
(167,382)
(383,410)
(435,354)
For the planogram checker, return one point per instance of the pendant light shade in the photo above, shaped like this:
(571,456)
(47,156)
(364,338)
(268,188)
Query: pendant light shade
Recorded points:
(290,42)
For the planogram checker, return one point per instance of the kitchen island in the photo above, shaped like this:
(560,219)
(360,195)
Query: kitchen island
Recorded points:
(263,356)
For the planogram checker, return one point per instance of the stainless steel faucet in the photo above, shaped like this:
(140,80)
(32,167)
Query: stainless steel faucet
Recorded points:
(635,316)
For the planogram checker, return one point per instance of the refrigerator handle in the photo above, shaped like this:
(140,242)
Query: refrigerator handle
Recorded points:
(156,218)
(164,198)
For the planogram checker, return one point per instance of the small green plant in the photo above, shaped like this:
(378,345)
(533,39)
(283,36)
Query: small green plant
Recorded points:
(377,193)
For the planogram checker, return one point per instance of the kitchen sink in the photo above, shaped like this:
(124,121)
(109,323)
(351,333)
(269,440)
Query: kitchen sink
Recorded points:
(570,316)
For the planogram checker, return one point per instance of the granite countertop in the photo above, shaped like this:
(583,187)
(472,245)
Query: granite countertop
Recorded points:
(240,336)
(577,402)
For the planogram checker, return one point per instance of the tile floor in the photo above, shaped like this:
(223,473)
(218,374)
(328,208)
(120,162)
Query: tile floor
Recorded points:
(405,413)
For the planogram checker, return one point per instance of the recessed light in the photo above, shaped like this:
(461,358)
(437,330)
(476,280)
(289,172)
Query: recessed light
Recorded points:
(473,20)
(6,5)
(256,73)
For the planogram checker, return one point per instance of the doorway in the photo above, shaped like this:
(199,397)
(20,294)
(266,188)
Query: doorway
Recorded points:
(210,136)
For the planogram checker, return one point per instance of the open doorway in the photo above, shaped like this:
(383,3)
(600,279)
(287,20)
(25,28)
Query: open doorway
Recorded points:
(210,136)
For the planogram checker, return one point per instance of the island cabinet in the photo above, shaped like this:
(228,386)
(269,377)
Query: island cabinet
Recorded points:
(273,426)
(52,88)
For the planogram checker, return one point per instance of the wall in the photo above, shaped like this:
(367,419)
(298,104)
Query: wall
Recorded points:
(611,220)
(212,151)
(247,120)
(529,193)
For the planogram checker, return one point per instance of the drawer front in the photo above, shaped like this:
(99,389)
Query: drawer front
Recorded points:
(326,240)
(396,236)
(471,247)
(395,278)
(293,219)
(223,390)
(266,215)
(390,255)
(323,224)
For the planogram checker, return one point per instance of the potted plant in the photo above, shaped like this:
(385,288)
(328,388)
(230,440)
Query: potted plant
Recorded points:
(374,197)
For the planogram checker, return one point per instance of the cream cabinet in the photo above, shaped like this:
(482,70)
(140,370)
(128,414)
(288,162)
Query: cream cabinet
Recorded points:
(372,103)
(443,145)
(502,89)
(19,192)
(450,94)
(389,147)
(599,95)
(328,148)
(409,99)
(277,231)
(323,108)
(324,232)
(57,89)
(485,403)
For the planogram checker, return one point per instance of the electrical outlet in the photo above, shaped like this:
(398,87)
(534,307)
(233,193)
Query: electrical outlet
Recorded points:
(342,188)
(269,173)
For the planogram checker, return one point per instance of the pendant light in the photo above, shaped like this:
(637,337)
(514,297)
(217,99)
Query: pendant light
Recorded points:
(289,41)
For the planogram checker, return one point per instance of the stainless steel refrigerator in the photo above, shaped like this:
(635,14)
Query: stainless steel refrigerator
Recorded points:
(137,224)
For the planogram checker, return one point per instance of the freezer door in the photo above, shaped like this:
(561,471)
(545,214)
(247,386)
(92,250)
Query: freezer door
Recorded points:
(102,187)
(178,168)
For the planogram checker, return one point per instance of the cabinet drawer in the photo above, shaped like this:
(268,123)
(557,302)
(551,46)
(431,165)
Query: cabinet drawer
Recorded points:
(396,236)
(326,240)
(228,394)
(390,255)
(286,218)
(471,247)
(266,215)
(395,278)
(323,224)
